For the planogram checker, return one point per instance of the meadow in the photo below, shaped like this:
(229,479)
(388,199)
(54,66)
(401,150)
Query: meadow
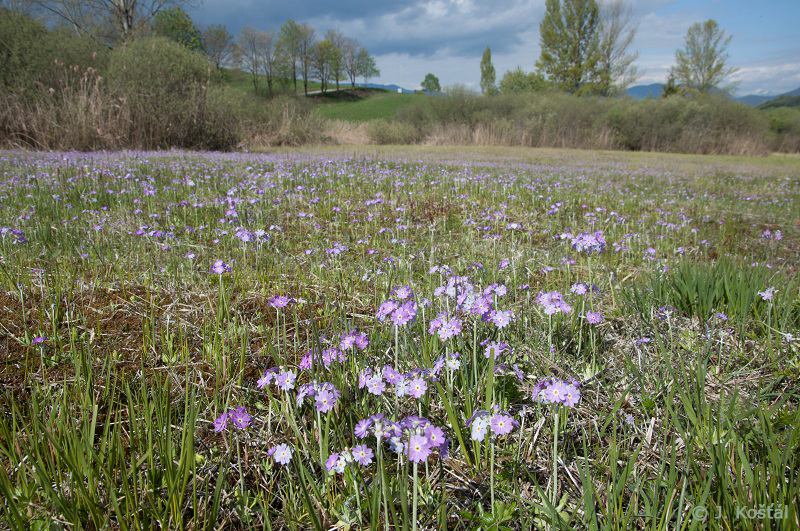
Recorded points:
(404,338)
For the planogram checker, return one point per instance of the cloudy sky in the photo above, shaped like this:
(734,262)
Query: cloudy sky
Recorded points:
(410,38)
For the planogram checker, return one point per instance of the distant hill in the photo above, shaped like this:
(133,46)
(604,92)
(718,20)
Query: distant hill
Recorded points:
(787,99)
(640,92)
(782,101)
(392,88)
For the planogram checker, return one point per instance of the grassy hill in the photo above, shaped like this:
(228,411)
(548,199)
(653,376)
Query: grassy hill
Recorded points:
(362,105)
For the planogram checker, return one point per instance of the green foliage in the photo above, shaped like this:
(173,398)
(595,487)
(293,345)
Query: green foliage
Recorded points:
(784,124)
(431,84)
(782,101)
(166,88)
(372,105)
(487,73)
(392,132)
(366,65)
(516,81)
(175,24)
(701,65)
(570,44)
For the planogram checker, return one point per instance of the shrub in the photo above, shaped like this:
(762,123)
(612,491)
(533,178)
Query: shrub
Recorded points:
(394,132)
(165,89)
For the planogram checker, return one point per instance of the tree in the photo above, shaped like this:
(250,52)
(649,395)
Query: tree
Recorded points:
(670,89)
(366,66)
(322,59)
(616,70)
(122,18)
(218,43)
(176,25)
(269,58)
(488,73)
(289,45)
(350,54)
(431,84)
(702,63)
(570,44)
(516,81)
(306,40)
(249,46)
(338,42)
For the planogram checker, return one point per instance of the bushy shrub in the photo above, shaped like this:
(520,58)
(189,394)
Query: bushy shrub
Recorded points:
(784,124)
(392,132)
(165,89)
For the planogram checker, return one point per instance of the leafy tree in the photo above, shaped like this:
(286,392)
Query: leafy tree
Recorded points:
(616,70)
(570,44)
(431,84)
(338,42)
(269,59)
(487,73)
(702,63)
(175,24)
(516,81)
(218,43)
(366,65)
(670,89)
(289,48)
(323,55)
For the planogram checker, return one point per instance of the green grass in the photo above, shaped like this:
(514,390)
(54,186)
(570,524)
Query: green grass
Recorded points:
(378,104)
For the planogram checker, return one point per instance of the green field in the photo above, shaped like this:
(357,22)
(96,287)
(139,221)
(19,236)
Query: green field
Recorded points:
(376,104)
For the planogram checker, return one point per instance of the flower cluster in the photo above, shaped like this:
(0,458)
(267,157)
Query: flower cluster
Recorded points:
(283,379)
(496,422)
(324,394)
(446,328)
(416,437)
(590,242)
(400,313)
(280,301)
(553,302)
(411,383)
(219,267)
(239,417)
(552,391)
(338,461)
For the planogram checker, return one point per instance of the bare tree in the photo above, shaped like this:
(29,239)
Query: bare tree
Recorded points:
(249,46)
(122,18)
(306,41)
(322,60)
(350,49)
(269,58)
(617,32)
(218,43)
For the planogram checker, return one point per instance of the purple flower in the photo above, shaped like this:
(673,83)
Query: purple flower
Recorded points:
(502,318)
(362,428)
(594,318)
(280,301)
(375,385)
(450,329)
(38,340)
(221,423)
(417,387)
(362,454)
(282,454)
(418,448)
(330,463)
(767,294)
(641,341)
(501,424)
(571,395)
(324,401)
(220,267)
(240,418)
(435,436)
(285,380)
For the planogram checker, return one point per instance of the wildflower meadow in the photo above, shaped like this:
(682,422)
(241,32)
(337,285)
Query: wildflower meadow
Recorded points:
(400,340)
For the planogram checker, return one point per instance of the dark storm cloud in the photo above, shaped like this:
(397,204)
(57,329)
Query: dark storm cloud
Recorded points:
(416,28)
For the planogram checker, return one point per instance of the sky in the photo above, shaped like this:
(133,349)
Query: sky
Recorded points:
(410,38)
